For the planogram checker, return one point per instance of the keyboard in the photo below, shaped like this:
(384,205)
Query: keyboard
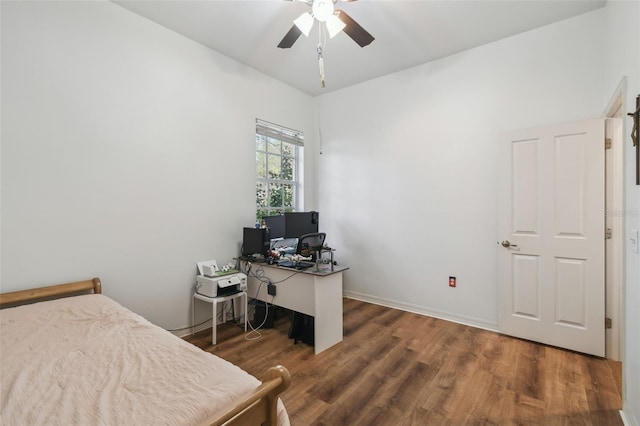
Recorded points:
(296,265)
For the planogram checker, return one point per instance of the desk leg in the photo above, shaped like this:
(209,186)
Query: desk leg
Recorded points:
(214,324)
(193,315)
(328,327)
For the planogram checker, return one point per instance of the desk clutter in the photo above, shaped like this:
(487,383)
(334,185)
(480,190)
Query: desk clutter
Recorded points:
(289,240)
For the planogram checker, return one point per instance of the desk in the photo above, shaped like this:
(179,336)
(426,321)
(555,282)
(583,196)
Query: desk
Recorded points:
(214,302)
(315,293)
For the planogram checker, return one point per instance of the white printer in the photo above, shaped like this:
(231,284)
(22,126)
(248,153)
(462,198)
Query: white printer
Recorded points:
(221,285)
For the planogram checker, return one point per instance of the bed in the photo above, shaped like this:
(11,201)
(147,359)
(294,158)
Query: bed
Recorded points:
(85,359)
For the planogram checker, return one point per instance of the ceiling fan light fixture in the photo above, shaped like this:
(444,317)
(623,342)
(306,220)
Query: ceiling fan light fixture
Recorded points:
(322,9)
(334,25)
(304,23)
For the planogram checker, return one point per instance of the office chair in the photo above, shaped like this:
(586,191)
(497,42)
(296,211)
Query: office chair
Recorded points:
(311,244)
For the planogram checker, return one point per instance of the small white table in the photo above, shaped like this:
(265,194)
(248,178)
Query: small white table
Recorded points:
(214,302)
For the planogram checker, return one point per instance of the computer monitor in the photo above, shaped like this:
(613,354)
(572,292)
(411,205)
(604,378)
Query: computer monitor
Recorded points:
(276,225)
(298,224)
(255,241)
(292,224)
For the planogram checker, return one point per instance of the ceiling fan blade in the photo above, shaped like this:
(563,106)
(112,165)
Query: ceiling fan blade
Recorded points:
(354,30)
(290,38)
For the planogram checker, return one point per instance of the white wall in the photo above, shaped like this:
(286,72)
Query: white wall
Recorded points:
(622,59)
(408,177)
(127,153)
(121,148)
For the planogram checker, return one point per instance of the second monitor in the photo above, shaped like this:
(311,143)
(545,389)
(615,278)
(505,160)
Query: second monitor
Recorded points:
(292,224)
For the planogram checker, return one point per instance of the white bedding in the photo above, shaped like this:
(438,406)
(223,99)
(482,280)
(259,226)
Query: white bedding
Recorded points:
(86,360)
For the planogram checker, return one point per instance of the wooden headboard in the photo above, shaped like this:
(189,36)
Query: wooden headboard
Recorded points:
(60,290)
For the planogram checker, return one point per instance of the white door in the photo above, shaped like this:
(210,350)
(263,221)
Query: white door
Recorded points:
(552,232)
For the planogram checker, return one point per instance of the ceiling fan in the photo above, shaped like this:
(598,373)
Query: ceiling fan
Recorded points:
(335,20)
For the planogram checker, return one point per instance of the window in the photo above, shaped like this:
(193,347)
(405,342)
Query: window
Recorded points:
(278,155)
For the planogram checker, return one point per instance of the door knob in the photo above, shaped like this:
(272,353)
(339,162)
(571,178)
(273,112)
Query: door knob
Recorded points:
(507,244)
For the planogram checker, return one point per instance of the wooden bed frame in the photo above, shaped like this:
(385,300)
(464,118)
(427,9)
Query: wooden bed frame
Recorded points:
(259,408)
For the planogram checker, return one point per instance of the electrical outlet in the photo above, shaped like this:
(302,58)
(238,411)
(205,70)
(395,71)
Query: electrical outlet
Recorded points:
(452,281)
(271,289)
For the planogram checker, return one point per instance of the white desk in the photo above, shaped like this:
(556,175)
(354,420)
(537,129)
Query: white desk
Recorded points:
(318,294)
(214,302)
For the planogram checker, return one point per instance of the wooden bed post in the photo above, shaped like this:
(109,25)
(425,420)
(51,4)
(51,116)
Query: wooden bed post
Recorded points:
(97,285)
(275,373)
(261,407)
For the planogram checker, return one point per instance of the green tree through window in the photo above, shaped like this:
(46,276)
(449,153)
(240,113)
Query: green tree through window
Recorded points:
(278,151)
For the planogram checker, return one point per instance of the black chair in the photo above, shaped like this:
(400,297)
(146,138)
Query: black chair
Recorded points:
(311,244)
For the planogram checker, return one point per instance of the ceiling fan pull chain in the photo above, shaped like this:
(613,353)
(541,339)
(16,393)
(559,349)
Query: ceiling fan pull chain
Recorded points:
(321,65)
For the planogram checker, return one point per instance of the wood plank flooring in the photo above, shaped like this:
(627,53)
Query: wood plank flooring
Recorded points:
(398,368)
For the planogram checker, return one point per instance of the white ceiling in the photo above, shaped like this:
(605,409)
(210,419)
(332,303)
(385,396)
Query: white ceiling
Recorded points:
(407,32)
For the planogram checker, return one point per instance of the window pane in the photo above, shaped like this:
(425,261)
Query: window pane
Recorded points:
(261,144)
(261,165)
(260,214)
(288,149)
(275,195)
(274,166)
(288,168)
(287,192)
(273,145)
(261,195)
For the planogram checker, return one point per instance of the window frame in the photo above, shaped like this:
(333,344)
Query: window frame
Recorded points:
(290,145)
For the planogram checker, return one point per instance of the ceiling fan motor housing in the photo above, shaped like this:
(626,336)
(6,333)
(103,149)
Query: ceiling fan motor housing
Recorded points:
(322,9)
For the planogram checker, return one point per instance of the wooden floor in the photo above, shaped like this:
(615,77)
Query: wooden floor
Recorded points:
(398,368)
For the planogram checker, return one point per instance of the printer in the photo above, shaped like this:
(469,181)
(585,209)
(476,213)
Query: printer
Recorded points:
(219,286)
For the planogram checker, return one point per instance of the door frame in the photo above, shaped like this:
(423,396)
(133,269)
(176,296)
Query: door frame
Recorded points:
(614,254)
(614,257)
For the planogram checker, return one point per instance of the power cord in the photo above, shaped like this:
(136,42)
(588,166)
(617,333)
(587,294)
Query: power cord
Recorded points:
(191,326)
(254,334)
(259,274)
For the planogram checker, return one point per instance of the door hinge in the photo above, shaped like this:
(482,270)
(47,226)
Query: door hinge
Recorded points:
(607,143)
(608,234)
(608,323)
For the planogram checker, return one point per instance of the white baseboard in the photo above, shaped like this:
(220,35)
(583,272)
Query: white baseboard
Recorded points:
(448,316)
(205,325)
(628,419)
(187,331)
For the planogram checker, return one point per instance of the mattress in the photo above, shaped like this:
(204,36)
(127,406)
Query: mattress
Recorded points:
(88,360)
